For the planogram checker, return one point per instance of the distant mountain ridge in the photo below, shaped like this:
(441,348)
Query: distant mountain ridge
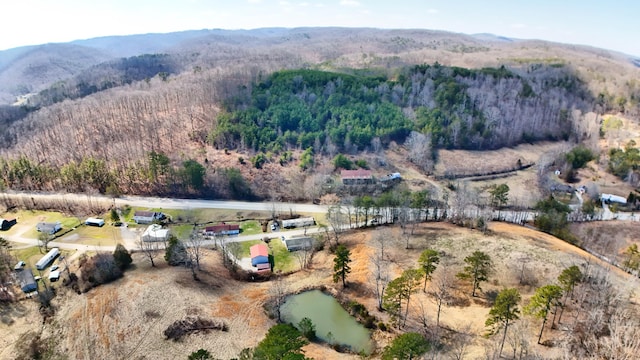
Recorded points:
(33,68)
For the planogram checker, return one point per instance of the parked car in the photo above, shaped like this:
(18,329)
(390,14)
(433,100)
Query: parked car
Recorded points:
(54,267)
(54,276)
(19,265)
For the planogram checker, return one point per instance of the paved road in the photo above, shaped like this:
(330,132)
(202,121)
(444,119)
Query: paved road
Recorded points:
(168,203)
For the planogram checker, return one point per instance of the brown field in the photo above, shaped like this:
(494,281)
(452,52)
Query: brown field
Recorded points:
(126,319)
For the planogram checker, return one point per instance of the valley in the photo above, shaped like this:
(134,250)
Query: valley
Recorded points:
(405,146)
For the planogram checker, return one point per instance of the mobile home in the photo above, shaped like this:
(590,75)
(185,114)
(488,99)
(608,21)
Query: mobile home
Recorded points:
(47,259)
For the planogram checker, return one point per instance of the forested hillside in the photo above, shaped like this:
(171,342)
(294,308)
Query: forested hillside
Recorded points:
(152,124)
(459,108)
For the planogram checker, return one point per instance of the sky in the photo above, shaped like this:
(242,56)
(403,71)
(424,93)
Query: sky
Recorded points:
(611,24)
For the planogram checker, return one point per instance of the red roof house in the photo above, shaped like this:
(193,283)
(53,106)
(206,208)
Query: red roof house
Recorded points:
(222,229)
(354,177)
(259,254)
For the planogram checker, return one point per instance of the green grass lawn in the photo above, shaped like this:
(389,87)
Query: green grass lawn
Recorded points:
(182,231)
(283,260)
(245,245)
(250,227)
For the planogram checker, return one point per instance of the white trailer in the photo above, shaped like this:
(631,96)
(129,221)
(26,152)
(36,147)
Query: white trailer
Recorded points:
(94,222)
(299,222)
(47,259)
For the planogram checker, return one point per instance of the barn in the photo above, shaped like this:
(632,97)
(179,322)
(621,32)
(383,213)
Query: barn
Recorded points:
(259,256)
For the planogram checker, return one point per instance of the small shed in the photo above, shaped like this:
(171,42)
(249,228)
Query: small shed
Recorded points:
(155,232)
(27,282)
(49,228)
(94,222)
(298,243)
(6,224)
(222,229)
(259,254)
(263,268)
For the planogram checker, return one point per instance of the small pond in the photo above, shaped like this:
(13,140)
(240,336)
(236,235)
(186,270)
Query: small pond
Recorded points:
(333,323)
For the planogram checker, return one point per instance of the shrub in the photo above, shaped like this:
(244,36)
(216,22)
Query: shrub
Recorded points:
(579,156)
(99,269)
(307,328)
(342,162)
(361,163)
(122,257)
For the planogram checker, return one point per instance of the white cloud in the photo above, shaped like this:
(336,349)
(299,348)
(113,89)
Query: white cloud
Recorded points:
(352,3)
(518,26)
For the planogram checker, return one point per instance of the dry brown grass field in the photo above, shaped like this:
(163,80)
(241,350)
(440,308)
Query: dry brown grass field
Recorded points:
(126,319)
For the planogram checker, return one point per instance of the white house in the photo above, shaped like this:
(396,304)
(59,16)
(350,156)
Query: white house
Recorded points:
(147,217)
(155,232)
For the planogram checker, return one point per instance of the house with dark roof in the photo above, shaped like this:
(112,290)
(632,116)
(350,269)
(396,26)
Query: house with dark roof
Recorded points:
(222,229)
(356,177)
(27,281)
(48,227)
(147,217)
(298,243)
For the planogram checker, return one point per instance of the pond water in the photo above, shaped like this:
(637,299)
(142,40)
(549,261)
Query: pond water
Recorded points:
(333,324)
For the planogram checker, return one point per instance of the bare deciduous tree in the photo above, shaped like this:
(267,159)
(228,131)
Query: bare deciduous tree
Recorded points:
(420,152)
(149,249)
(278,292)
(440,289)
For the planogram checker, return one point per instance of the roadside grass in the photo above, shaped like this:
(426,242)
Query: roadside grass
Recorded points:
(283,260)
(182,231)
